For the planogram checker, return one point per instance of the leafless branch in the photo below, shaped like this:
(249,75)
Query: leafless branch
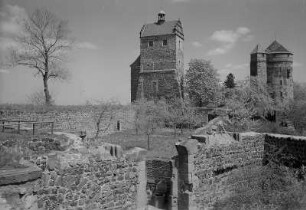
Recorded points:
(42,46)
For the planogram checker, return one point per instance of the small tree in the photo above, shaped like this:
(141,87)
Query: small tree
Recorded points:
(105,116)
(202,83)
(247,102)
(297,115)
(299,91)
(230,81)
(149,117)
(181,115)
(42,46)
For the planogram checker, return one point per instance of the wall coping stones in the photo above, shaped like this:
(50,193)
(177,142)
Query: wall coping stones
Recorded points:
(251,133)
(300,138)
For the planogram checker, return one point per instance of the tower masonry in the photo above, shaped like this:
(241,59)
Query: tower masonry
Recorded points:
(158,71)
(258,65)
(273,67)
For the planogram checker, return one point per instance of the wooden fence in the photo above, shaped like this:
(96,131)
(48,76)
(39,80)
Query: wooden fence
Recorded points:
(7,123)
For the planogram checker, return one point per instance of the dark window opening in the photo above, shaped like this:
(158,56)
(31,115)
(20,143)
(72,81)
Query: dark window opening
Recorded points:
(150,43)
(165,42)
(281,94)
(281,82)
(288,73)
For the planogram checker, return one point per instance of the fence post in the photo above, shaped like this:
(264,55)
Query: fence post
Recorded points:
(52,126)
(33,129)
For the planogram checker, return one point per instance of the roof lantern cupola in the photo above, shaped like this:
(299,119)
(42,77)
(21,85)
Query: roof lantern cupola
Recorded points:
(161,17)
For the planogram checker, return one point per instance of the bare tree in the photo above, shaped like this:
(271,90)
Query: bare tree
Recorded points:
(105,116)
(42,46)
(149,117)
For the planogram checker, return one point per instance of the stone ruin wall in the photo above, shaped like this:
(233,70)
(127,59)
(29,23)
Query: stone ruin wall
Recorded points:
(73,119)
(208,173)
(215,168)
(292,149)
(71,181)
(97,184)
(158,170)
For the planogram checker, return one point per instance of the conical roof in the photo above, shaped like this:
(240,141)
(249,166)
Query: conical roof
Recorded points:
(258,49)
(276,47)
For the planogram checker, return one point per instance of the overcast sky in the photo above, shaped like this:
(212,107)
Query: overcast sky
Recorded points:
(107,36)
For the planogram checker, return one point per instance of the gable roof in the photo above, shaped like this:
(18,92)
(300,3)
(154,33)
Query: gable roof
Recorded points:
(258,49)
(163,28)
(276,47)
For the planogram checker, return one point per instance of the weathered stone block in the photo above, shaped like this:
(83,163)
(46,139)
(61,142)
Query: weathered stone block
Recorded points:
(19,175)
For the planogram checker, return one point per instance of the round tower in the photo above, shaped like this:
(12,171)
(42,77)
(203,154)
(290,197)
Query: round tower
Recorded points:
(258,67)
(279,73)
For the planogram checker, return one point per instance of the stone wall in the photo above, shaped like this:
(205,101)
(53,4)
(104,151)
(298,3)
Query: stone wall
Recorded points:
(158,57)
(73,119)
(159,182)
(92,183)
(158,169)
(75,181)
(167,85)
(291,150)
(215,167)
(212,171)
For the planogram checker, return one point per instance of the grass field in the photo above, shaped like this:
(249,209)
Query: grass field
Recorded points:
(162,143)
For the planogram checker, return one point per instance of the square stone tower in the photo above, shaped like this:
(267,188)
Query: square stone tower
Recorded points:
(158,71)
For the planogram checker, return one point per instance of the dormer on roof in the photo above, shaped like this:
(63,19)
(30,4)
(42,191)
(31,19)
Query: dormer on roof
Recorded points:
(276,47)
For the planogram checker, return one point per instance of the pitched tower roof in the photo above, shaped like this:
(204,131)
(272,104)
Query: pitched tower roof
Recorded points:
(276,47)
(162,27)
